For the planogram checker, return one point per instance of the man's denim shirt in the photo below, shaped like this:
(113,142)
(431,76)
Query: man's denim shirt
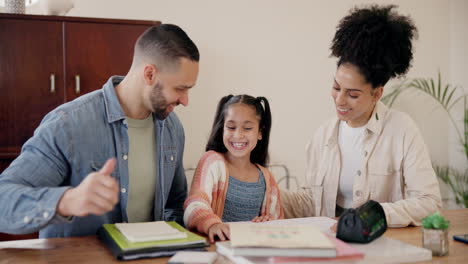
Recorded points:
(72,141)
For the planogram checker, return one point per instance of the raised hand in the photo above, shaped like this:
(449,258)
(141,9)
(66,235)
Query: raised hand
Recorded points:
(97,194)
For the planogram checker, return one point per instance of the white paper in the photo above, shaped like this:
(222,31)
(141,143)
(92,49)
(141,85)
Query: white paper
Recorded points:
(149,231)
(193,257)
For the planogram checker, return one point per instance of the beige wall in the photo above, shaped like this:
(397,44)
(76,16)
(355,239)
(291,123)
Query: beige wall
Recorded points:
(458,54)
(458,75)
(279,49)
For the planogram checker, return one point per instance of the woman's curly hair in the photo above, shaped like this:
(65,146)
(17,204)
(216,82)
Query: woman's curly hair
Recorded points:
(377,40)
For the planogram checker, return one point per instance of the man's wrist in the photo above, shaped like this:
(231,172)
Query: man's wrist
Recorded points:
(62,206)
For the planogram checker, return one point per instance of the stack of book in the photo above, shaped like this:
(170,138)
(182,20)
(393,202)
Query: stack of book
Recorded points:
(129,241)
(257,243)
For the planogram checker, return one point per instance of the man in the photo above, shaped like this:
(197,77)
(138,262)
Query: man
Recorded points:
(113,155)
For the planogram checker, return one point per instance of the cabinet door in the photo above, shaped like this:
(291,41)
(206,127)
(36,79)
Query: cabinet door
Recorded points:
(30,53)
(96,51)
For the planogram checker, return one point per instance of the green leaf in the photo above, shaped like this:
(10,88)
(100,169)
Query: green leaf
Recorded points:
(433,90)
(435,221)
(445,93)
(439,80)
(449,98)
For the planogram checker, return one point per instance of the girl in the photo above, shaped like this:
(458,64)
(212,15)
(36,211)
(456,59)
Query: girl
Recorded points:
(368,152)
(231,182)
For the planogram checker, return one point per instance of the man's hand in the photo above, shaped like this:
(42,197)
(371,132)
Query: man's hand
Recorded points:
(97,194)
(221,230)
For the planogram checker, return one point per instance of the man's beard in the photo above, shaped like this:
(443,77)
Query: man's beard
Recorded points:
(159,102)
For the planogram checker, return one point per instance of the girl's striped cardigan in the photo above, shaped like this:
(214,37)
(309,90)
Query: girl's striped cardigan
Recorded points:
(205,205)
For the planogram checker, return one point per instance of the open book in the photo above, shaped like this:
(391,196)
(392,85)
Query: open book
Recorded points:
(250,239)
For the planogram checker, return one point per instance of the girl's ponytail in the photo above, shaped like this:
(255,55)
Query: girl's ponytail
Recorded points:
(260,153)
(215,141)
(266,114)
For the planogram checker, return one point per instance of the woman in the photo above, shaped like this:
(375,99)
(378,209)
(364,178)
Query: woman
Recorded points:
(368,152)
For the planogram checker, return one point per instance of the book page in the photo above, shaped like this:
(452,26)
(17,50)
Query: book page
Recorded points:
(279,236)
(321,222)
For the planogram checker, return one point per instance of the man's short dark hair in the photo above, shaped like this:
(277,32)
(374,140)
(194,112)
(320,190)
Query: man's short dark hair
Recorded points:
(164,45)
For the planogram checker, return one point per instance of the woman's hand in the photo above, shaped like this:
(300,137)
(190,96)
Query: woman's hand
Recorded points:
(221,230)
(334,227)
(261,218)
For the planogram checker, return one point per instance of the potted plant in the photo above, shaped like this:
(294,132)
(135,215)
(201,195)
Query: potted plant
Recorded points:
(446,98)
(435,234)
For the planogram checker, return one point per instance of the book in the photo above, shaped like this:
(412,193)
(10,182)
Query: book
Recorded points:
(149,231)
(344,252)
(226,248)
(123,249)
(250,239)
(381,250)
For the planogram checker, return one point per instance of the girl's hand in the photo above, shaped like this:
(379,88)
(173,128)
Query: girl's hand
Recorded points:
(261,218)
(221,230)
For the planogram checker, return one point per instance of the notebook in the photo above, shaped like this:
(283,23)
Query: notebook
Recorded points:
(124,249)
(149,231)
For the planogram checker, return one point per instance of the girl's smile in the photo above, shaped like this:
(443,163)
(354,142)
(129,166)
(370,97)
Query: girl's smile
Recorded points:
(241,130)
(239,145)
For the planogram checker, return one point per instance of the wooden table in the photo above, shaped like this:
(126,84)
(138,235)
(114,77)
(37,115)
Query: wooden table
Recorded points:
(458,251)
(90,250)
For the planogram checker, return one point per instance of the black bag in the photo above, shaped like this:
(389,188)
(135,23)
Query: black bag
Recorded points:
(363,224)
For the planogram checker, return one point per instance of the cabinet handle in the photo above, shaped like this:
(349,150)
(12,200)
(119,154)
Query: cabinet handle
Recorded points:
(77,84)
(52,83)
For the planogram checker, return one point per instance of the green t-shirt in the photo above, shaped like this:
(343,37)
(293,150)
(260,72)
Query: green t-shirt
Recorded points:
(142,167)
